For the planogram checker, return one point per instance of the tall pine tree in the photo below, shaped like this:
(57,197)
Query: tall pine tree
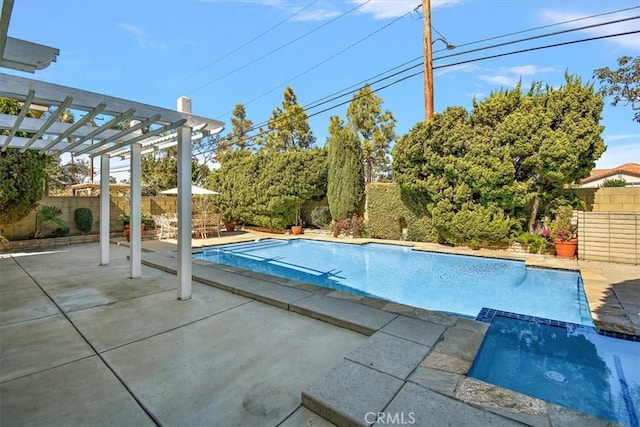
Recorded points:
(289,126)
(376,128)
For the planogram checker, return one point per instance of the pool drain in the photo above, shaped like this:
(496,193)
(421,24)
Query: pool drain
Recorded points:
(555,376)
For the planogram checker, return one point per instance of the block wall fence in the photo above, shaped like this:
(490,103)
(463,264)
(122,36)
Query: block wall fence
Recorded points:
(611,232)
(25,228)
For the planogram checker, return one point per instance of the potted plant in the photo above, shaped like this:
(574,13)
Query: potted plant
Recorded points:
(126,219)
(297,227)
(562,234)
(229,225)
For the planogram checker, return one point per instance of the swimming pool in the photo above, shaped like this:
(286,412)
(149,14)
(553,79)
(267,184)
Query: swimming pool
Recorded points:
(570,365)
(458,284)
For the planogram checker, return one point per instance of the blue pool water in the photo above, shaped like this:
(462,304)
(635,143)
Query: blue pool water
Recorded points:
(568,365)
(451,283)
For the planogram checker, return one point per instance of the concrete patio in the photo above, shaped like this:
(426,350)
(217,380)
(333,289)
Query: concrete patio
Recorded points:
(84,345)
(81,344)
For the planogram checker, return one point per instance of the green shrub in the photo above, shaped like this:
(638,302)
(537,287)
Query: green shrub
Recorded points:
(61,232)
(422,230)
(488,225)
(320,216)
(534,243)
(614,183)
(83,218)
(388,215)
(49,215)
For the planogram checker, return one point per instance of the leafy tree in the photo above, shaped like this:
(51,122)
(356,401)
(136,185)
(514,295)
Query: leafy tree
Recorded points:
(553,138)
(623,84)
(22,175)
(60,177)
(160,171)
(345,185)
(289,126)
(265,188)
(375,127)
(513,152)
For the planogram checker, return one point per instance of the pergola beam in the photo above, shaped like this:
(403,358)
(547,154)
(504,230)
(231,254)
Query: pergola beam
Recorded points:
(119,135)
(103,129)
(19,119)
(49,94)
(51,120)
(77,125)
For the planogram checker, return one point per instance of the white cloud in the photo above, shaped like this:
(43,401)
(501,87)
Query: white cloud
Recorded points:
(327,9)
(618,137)
(630,42)
(502,80)
(143,39)
(462,68)
(529,70)
(316,15)
(511,76)
(384,9)
(618,154)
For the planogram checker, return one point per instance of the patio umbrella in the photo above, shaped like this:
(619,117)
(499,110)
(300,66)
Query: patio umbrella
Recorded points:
(195,190)
(202,204)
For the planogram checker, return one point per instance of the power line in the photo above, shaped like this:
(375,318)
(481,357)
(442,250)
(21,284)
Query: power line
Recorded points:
(550,25)
(253,137)
(251,40)
(316,104)
(280,47)
(320,63)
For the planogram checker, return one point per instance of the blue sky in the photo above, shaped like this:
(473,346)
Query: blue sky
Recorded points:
(221,53)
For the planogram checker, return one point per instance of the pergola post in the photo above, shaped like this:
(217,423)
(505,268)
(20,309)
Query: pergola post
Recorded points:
(184,212)
(135,207)
(105,213)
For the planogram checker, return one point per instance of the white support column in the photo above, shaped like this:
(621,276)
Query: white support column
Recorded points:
(184,212)
(135,207)
(105,213)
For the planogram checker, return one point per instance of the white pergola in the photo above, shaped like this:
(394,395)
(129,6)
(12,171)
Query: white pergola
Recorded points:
(105,141)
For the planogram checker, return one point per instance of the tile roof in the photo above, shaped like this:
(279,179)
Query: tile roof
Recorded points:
(627,168)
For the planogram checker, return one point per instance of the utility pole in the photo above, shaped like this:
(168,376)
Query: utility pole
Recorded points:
(428,61)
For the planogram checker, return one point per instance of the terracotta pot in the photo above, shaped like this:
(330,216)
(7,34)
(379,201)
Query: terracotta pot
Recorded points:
(565,248)
(230,225)
(127,231)
(296,229)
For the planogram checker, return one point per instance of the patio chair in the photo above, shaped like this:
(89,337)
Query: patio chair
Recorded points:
(165,226)
(213,223)
(198,227)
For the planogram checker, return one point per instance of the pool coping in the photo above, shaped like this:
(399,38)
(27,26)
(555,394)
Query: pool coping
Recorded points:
(432,370)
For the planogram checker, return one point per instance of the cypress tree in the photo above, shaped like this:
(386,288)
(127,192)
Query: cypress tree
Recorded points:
(345,185)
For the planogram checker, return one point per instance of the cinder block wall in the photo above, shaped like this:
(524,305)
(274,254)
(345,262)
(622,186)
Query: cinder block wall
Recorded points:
(609,236)
(617,199)
(26,227)
(612,231)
